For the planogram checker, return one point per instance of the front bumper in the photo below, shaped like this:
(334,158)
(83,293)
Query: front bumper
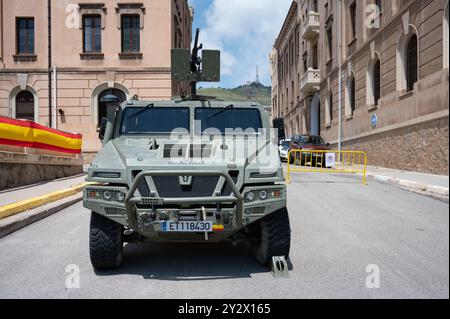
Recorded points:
(131,201)
(142,213)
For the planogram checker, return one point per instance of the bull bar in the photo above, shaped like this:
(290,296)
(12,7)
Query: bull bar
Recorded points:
(130,200)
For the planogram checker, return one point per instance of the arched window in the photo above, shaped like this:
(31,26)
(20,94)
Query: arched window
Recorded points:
(102,112)
(373,84)
(350,94)
(25,106)
(376,81)
(329,108)
(352,89)
(411,63)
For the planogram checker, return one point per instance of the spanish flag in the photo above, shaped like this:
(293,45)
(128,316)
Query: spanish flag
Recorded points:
(30,134)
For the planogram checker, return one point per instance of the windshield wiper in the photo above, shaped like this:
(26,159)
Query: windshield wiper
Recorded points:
(221,111)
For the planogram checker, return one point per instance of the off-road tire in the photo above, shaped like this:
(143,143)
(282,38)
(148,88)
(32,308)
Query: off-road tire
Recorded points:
(274,237)
(105,243)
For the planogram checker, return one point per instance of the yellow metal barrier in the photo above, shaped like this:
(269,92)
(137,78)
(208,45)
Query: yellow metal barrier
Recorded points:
(315,161)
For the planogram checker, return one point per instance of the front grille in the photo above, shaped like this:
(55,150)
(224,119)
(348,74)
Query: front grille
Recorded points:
(171,187)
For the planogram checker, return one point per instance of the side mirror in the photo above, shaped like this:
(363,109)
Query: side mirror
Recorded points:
(102,128)
(278,124)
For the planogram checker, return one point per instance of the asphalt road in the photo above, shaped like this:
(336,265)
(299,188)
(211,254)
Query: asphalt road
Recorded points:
(339,227)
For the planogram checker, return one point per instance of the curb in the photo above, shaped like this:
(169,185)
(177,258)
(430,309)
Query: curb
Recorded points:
(431,190)
(14,223)
(22,206)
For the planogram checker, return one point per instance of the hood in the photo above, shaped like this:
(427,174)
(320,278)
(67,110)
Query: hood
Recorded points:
(137,154)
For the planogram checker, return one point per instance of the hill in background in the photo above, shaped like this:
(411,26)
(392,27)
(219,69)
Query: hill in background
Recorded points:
(248,92)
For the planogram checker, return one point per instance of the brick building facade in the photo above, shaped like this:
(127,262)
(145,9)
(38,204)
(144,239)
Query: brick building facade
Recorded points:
(119,47)
(394,69)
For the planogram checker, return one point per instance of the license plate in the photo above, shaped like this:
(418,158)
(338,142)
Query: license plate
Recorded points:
(187,227)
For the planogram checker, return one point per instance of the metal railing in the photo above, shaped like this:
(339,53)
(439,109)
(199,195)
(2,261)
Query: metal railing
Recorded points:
(324,161)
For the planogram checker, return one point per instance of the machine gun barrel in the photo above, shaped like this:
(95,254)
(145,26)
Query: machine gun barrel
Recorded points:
(195,49)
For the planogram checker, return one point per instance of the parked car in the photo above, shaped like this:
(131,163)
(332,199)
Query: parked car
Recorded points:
(308,142)
(283,149)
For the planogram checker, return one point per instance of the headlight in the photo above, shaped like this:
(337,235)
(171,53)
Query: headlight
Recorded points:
(120,197)
(250,197)
(264,195)
(107,195)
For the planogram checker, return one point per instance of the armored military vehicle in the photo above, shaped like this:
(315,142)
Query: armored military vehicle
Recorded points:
(187,170)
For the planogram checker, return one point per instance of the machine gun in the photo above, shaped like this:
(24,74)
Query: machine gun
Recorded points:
(188,66)
(195,59)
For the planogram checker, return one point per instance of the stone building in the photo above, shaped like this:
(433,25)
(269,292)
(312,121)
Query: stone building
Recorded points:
(119,47)
(394,70)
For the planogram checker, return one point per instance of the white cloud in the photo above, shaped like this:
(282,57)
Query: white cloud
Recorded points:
(244,31)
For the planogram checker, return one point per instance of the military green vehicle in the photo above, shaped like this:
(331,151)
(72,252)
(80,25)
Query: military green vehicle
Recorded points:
(187,170)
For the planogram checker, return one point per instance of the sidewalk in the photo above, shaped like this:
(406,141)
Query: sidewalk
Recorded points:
(20,207)
(14,195)
(428,184)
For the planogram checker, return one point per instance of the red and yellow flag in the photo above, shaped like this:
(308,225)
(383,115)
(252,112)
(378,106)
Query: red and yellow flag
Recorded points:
(30,134)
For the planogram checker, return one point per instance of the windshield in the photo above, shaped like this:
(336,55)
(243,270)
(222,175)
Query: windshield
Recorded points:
(315,140)
(154,120)
(225,119)
(285,144)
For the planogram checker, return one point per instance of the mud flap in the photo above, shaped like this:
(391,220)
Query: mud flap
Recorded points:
(280,267)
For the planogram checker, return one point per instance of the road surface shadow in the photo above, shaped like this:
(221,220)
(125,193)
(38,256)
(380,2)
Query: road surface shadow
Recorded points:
(188,262)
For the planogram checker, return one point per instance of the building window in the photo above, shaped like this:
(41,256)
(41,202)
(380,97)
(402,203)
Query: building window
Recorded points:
(130,27)
(411,63)
(314,6)
(350,95)
(102,108)
(92,34)
(305,61)
(25,35)
(25,106)
(315,56)
(353,19)
(297,43)
(330,41)
(329,108)
(373,84)
(330,105)
(446,36)
(377,82)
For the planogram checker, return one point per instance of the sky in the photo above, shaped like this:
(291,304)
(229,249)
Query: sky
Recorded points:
(244,31)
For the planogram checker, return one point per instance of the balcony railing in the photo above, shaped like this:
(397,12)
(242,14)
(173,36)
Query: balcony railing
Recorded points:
(310,81)
(311,26)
